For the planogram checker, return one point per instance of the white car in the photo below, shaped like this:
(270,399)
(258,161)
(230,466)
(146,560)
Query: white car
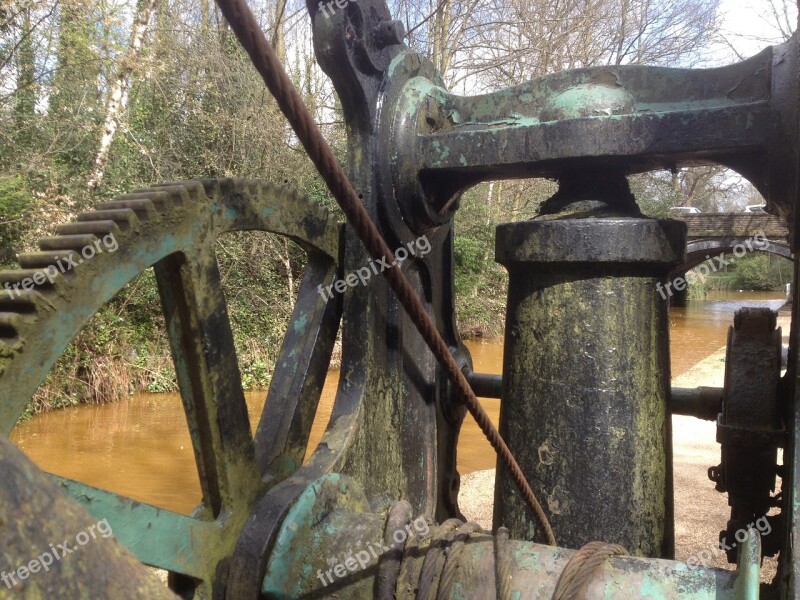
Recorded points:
(684,210)
(756,208)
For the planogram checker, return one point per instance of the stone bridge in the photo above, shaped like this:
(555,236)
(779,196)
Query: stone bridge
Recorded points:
(714,233)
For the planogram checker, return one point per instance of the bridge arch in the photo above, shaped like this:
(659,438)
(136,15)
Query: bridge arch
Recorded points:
(699,251)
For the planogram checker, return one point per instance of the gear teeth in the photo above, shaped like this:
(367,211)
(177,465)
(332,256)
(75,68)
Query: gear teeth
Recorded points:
(266,186)
(194,188)
(37,261)
(254,188)
(19,275)
(67,242)
(211,187)
(125,218)
(161,200)
(231,185)
(10,324)
(145,210)
(20,301)
(96,228)
(178,194)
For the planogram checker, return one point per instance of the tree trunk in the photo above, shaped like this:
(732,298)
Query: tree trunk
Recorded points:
(119,93)
(288,264)
(278,42)
(26,81)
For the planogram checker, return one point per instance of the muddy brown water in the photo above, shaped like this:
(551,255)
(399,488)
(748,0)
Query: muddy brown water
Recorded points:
(141,448)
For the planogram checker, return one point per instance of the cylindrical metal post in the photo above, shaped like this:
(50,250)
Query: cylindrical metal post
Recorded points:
(586,379)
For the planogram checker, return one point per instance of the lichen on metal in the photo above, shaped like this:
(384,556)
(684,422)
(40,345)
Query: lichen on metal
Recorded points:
(586,330)
(174,228)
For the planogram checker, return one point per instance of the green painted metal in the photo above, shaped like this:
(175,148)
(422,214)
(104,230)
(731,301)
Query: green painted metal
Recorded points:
(52,548)
(174,229)
(748,581)
(318,524)
(627,118)
(331,522)
(157,537)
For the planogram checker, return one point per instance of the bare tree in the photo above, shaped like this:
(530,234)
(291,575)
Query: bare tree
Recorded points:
(118,97)
(530,39)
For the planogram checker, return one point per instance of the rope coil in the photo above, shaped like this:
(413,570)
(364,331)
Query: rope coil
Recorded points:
(389,567)
(401,574)
(453,554)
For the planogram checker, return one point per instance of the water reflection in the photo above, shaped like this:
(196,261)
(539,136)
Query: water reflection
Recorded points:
(141,448)
(702,327)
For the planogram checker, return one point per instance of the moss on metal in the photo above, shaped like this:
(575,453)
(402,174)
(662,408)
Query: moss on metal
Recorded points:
(586,381)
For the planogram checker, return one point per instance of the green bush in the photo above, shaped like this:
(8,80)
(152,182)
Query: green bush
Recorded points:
(480,282)
(757,271)
(15,199)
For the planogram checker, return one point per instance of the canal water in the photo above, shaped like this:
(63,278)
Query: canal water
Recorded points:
(140,448)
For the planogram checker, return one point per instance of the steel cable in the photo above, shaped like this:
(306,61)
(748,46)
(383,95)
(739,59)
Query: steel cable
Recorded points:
(453,554)
(502,565)
(250,35)
(581,567)
(435,557)
(389,567)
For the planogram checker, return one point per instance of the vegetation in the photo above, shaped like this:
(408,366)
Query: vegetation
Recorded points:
(754,271)
(97,99)
(761,272)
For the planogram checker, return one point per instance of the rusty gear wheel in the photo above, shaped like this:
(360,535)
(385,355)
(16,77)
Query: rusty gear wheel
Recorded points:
(173,229)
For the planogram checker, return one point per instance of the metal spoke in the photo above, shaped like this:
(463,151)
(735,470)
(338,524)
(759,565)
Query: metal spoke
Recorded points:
(294,393)
(157,537)
(208,376)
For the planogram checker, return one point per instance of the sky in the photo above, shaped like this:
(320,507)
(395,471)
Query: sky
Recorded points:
(749,26)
